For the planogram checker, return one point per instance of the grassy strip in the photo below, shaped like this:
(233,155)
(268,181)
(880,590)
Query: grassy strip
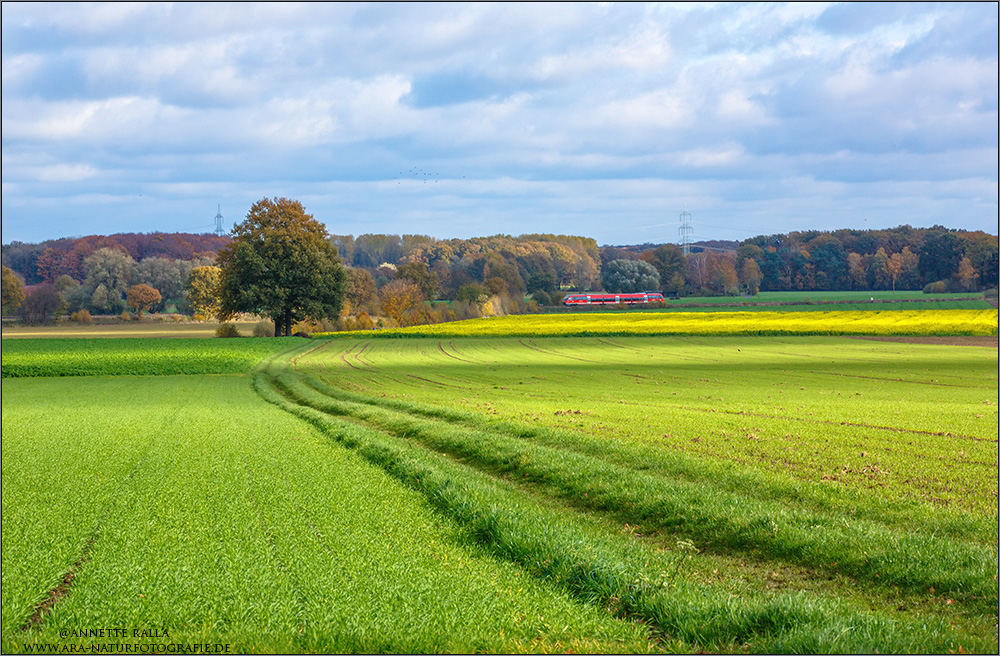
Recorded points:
(114,327)
(46,357)
(621,575)
(865,550)
(907,515)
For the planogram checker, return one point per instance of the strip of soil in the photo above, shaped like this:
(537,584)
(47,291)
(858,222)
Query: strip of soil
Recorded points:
(61,589)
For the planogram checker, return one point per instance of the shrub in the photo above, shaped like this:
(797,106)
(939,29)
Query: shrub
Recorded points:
(263,329)
(939,287)
(542,297)
(227,330)
(81,316)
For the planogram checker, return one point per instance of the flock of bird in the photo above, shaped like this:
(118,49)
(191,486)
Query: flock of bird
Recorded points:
(417,174)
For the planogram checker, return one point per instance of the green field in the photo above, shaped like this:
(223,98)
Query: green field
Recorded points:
(794,298)
(602,494)
(134,356)
(187,503)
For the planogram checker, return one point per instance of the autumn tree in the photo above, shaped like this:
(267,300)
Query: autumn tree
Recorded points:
(750,276)
(723,278)
(203,290)
(399,297)
(856,273)
(983,251)
(883,271)
(12,291)
(49,264)
(361,289)
(907,263)
(418,273)
(167,276)
(142,297)
(281,264)
(967,274)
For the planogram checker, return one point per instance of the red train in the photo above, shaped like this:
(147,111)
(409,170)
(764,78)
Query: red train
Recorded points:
(600,298)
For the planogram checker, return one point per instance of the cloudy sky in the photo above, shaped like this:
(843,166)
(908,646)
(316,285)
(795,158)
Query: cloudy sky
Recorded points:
(463,120)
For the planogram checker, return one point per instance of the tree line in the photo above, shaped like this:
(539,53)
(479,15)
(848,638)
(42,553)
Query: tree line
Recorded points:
(935,259)
(405,278)
(46,261)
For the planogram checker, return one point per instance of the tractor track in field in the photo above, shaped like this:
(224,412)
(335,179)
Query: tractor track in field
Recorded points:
(454,357)
(462,425)
(64,587)
(465,426)
(535,468)
(531,345)
(434,382)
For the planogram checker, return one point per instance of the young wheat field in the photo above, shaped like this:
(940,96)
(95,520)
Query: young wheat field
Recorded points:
(610,493)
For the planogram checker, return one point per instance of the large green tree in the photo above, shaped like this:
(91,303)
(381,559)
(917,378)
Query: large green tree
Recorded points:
(940,254)
(629,276)
(281,264)
(109,274)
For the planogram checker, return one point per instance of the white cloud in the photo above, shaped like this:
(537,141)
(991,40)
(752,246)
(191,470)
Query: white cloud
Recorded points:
(63,173)
(608,111)
(88,121)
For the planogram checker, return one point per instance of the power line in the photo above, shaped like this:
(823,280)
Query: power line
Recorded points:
(685,231)
(218,223)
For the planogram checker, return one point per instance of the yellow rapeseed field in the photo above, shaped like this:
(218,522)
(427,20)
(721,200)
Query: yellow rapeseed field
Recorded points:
(897,322)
